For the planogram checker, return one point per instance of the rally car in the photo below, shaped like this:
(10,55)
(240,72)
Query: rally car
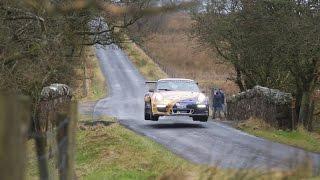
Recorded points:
(175,97)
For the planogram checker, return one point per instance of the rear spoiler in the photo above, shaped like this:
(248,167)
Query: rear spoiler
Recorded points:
(151,85)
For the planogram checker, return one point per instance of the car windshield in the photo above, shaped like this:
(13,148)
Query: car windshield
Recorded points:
(177,86)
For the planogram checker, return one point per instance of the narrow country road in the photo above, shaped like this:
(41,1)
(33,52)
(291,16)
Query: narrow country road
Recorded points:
(210,143)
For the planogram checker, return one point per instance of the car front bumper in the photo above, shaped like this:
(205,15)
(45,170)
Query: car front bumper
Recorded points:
(190,110)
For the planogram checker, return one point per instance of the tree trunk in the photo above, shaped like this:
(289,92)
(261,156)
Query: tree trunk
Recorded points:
(305,110)
(238,80)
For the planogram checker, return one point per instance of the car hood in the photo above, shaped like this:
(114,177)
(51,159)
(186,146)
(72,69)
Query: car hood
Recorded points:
(176,96)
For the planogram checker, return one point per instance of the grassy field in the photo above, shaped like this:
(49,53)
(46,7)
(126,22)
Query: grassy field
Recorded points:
(182,56)
(299,138)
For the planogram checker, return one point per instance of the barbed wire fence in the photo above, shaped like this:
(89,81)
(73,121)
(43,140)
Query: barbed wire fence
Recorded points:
(53,131)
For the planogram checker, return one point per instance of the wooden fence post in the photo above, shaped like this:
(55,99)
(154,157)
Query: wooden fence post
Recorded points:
(73,114)
(66,129)
(14,122)
(62,138)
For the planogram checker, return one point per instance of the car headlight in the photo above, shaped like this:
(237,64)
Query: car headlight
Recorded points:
(158,97)
(201,106)
(201,98)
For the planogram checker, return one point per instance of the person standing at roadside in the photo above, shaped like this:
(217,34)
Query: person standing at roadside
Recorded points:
(222,101)
(217,105)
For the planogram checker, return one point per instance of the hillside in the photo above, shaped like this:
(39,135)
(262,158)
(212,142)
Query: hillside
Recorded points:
(166,39)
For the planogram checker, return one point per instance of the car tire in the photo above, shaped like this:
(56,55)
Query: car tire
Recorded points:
(147,115)
(154,118)
(200,118)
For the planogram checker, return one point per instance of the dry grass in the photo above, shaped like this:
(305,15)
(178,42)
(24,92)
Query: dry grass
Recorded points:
(255,124)
(96,87)
(143,62)
(179,54)
(91,84)
(298,138)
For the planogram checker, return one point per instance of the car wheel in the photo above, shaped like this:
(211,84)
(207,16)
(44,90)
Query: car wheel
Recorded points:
(147,115)
(154,118)
(200,118)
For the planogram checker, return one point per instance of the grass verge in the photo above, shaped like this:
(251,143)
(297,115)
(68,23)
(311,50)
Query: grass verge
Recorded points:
(146,66)
(109,151)
(299,138)
(96,83)
(90,83)
(113,152)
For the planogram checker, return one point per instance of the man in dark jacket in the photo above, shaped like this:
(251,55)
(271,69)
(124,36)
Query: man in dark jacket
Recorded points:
(222,100)
(217,104)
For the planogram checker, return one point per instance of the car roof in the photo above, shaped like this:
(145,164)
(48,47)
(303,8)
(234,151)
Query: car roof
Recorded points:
(175,79)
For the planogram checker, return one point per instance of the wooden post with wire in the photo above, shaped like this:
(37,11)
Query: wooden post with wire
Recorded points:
(73,114)
(14,122)
(66,129)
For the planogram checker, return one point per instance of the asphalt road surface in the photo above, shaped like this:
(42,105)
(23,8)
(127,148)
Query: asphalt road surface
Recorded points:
(211,143)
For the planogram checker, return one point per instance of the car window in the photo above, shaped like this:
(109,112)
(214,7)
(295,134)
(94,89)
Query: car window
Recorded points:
(177,86)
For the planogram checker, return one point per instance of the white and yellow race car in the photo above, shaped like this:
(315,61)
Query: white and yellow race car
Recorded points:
(175,97)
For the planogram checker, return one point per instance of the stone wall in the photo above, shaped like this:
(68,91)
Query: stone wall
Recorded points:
(54,99)
(271,105)
(54,131)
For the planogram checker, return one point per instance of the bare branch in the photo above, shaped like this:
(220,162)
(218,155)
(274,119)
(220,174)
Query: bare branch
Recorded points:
(37,18)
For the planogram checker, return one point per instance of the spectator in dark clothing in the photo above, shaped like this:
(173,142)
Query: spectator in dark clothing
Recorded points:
(217,104)
(222,99)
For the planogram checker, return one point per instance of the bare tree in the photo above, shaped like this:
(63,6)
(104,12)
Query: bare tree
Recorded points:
(270,43)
